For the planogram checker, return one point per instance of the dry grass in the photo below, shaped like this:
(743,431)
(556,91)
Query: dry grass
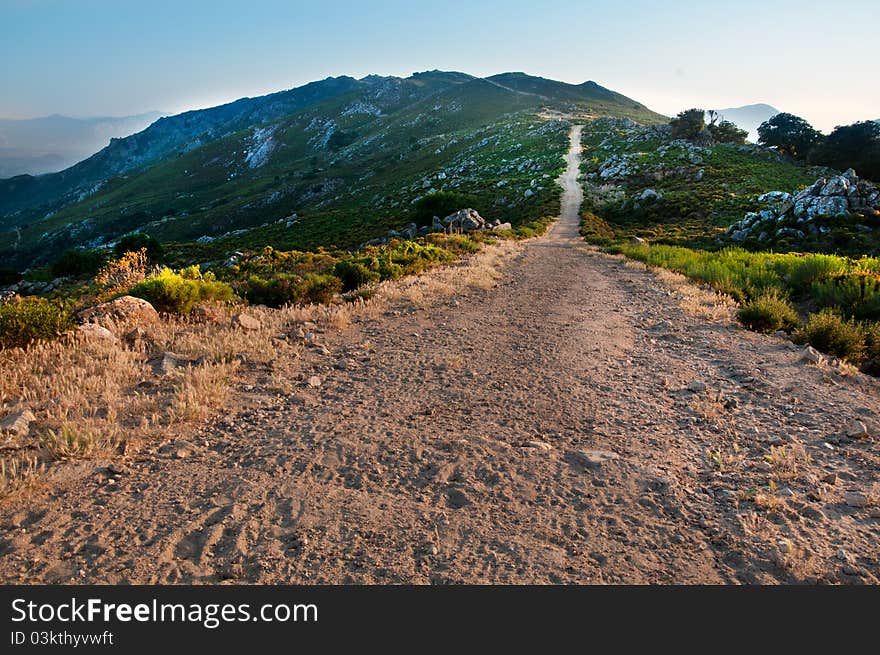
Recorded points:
(788,462)
(96,398)
(694,299)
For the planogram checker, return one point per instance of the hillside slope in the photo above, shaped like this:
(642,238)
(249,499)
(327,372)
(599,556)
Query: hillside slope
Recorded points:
(334,163)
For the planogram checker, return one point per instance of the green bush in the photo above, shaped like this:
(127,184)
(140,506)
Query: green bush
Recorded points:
(768,313)
(288,288)
(856,294)
(440,204)
(178,293)
(830,333)
(356,274)
(808,269)
(75,262)
(689,124)
(137,240)
(26,320)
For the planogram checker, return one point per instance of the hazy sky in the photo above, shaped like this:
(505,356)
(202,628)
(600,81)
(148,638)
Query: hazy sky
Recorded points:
(118,57)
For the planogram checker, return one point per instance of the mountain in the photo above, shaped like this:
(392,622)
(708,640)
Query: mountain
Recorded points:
(749,117)
(52,143)
(348,157)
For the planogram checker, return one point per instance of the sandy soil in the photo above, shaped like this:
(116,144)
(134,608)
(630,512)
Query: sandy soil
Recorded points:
(581,421)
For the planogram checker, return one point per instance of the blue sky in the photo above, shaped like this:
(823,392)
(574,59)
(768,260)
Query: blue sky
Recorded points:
(117,57)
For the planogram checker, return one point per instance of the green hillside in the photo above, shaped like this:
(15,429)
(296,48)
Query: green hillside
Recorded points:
(349,165)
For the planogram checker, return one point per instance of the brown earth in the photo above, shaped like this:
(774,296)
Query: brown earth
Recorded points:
(581,420)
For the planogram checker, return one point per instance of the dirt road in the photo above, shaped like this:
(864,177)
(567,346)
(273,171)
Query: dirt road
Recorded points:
(571,424)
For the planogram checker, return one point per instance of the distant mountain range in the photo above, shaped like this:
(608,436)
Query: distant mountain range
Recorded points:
(332,149)
(53,143)
(749,117)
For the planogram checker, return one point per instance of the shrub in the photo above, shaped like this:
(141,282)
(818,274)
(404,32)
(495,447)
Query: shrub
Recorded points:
(872,348)
(26,320)
(440,204)
(855,294)
(810,268)
(138,241)
(123,273)
(178,293)
(356,274)
(727,132)
(689,124)
(830,333)
(288,288)
(767,313)
(75,262)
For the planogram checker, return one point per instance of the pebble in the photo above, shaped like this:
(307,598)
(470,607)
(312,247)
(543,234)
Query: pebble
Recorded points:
(314,382)
(857,430)
(697,387)
(540,445)
(831,478)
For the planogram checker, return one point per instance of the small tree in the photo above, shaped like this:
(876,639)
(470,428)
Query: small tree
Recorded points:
(689,124)
(139,241)
(727,132)
(852,146)
(789,134)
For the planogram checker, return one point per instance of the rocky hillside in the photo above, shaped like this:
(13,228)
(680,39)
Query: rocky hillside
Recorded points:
(640,182)
(840,212)
(337,162)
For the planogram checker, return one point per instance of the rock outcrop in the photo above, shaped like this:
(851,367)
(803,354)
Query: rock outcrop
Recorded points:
(795,215)
(464,220)
(122,309)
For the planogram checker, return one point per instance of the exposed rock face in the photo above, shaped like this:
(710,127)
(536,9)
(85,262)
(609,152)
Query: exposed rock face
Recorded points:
(124,308)
(465,220)
(797,214)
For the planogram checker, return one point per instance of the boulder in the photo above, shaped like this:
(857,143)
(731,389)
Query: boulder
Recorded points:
(649,195)
(832,207)
(502,226)
(207,313)
(93,331)
(740,235)
(466,220)
(836,186)
(774,196)
(789,232)
(139,339)
(122,309)
(246,322)
(410,232)
(168,362)
(17,423)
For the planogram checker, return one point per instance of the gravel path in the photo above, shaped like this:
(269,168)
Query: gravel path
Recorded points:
(572,424)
